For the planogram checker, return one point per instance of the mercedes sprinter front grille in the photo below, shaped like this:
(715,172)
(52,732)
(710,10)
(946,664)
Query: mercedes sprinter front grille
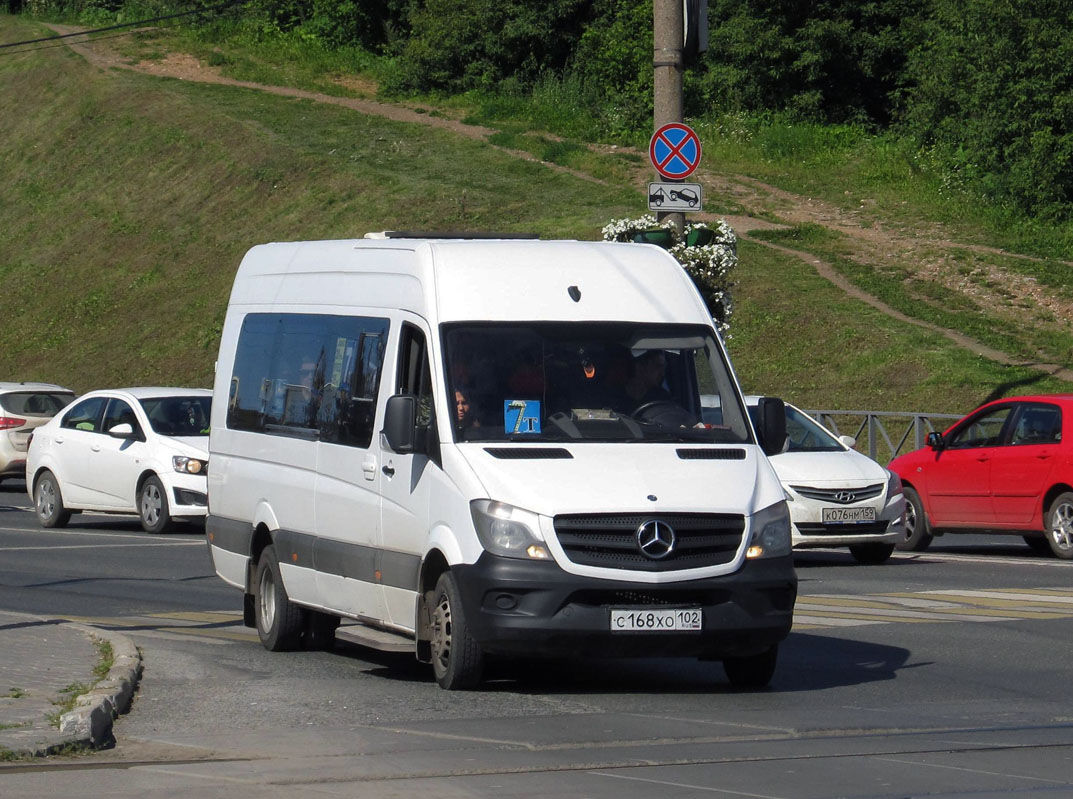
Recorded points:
(650,541)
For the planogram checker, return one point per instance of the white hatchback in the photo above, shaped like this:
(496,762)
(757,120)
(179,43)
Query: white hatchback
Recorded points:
(837,496)
(133,450)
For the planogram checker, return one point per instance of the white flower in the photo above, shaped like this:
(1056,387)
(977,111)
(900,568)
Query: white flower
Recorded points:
(709,265)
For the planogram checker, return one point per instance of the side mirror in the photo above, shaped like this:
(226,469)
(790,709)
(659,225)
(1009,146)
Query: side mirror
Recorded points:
(121,431)
(935,440)
(849,441)
(771,414)
(400,423)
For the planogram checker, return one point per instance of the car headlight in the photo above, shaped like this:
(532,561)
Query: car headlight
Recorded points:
(508,531)
(181,463)
(771,532)
(894,485)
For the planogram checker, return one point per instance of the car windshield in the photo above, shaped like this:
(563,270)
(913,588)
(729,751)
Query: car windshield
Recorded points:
(178,416)
(806,435)
(589,381)
(35,403)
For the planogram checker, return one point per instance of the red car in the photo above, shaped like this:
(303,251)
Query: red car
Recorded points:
(1007,467)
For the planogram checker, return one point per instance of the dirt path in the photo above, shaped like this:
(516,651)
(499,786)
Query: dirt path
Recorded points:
(925,253)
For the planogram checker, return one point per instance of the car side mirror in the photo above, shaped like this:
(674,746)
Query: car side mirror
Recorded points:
(123,430)
(935,440)
(771,414)
(400,424)
(849,441)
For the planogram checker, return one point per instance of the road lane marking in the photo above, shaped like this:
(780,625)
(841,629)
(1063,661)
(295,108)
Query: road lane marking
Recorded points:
(668,784)
(1009,594)
(90,533)
(104,546)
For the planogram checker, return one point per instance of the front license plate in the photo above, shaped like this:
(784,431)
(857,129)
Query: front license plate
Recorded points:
(849,515)
(677,620)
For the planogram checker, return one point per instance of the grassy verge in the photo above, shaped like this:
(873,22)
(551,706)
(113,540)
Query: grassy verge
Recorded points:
(130,200)
(796,335)
(69,695)
(1003,321)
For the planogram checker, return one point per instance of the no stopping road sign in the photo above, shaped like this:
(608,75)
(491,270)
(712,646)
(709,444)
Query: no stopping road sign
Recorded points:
(675,151)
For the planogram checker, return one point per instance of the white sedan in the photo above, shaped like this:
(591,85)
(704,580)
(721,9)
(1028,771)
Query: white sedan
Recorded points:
(132,450)
(837,496)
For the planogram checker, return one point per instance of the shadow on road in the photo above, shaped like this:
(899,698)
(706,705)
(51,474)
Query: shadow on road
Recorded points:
(807,662)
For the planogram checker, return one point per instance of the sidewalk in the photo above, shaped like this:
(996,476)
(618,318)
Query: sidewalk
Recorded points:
(40,659)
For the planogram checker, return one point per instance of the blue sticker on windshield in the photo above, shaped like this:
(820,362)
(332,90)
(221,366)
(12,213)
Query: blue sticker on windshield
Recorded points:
(521,416)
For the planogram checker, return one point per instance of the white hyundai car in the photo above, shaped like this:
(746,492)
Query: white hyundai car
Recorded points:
(837,496)
(132,450)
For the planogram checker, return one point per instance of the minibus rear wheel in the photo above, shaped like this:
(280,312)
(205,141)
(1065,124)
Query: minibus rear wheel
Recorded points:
(279,621)
(457,660)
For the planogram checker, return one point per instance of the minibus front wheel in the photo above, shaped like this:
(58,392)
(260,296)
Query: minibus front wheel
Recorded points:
(279,621)
(457,660)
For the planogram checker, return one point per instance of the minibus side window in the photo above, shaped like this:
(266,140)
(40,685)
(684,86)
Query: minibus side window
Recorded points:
(414,376)
(308,375)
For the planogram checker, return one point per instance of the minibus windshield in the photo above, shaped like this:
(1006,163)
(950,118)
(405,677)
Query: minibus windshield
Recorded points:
(586,381)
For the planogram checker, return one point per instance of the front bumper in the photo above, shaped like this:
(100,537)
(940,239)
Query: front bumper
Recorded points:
(809,531)
(187,494)
(525,607)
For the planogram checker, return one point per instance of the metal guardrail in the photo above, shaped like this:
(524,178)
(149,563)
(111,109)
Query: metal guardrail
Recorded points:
(877,426)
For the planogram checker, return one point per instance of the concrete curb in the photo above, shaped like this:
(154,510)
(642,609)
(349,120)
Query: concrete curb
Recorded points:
(90,722)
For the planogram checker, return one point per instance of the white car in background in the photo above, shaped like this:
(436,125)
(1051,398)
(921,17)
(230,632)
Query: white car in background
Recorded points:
(24,407)
(132,450)
(837,496)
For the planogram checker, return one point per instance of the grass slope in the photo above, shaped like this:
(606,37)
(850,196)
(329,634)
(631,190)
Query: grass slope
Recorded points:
(129,200)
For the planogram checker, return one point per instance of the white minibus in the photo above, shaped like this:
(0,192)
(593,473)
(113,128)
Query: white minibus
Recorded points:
(491,446)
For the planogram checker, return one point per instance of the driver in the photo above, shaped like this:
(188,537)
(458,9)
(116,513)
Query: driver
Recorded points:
(645,385)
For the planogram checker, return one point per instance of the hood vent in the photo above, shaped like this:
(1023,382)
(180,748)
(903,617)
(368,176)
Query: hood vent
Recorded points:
(529,453)
(711,454)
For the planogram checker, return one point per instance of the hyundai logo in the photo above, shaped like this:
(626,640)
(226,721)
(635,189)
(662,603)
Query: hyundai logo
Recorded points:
(845,497)
(656,539)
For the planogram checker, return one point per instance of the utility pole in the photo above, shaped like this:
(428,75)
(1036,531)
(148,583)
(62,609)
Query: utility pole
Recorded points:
(667,39)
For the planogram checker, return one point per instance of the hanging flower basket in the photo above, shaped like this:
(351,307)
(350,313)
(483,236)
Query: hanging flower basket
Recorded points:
(707,253)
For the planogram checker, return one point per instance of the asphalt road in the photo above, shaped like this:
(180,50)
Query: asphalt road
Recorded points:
(942,674)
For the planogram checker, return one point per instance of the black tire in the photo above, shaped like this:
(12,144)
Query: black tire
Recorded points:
(457,660)
(752,671)
(153,508)
(1038,544)
(872,553)
(1059,526)
(48,502)
(279,621)
(319,631)
(918,535)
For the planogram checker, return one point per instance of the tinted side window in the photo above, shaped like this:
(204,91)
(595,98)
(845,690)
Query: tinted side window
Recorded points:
(308,375)
(34,404)
(86,415)
(1038,424)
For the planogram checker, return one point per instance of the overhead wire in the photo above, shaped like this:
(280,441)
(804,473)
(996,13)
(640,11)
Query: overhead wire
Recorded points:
(54,41)
(89,42)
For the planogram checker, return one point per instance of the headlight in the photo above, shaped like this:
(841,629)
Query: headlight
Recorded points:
(181,463)
(894,485)
(771,532)
(508,531)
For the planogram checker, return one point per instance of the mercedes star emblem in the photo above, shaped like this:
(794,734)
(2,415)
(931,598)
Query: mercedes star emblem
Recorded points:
(656,539)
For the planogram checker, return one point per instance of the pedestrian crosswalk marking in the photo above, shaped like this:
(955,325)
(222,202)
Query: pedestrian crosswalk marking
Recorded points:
(812,612)
(818,611)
